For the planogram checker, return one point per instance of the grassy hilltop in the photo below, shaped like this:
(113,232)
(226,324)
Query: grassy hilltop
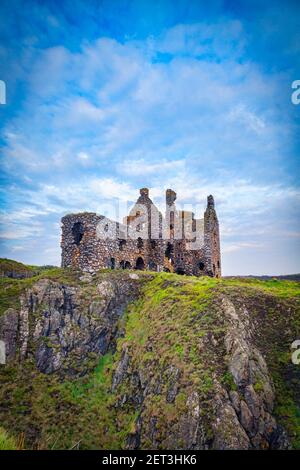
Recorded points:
(149,360)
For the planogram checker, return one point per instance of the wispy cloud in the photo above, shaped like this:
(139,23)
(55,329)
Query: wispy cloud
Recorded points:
(142,167)
(194,102)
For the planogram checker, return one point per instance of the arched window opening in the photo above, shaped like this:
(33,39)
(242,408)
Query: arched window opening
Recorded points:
(201,266)
(140,243)
(77,231)
(140,264)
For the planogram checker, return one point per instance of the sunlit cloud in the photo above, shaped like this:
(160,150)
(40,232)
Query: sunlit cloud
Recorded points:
(199,104)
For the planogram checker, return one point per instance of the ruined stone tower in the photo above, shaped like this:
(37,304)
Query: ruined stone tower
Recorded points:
(175,242)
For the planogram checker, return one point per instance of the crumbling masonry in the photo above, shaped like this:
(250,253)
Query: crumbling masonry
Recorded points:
(176,242)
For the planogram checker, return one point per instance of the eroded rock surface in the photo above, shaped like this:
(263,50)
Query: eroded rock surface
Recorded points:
(184,375)
(238,419)
(63,327)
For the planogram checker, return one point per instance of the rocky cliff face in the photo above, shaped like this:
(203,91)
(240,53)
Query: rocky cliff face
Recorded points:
(63,327)
(160,361)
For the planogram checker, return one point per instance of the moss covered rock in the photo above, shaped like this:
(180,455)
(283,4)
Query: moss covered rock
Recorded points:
(156,361)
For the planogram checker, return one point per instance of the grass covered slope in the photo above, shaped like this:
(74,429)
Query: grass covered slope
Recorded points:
(6,442)
(10,268)
(171,370)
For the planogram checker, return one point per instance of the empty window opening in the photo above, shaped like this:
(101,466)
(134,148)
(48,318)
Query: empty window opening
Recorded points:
(127,265)
(201,266)
(77,232)
(140,243)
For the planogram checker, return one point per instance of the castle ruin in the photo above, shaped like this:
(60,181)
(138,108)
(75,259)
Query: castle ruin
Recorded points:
(176,242)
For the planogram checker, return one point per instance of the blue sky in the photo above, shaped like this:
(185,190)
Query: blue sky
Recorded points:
(104,97)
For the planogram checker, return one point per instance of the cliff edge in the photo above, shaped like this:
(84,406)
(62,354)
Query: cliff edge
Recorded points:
(143,360)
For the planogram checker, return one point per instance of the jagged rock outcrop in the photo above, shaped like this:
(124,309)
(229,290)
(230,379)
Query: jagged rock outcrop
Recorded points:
(191,362)
(9,330)
(61,328)
(248,368)
(240,418)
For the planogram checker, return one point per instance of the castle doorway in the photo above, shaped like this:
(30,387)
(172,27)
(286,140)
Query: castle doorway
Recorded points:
(140,264)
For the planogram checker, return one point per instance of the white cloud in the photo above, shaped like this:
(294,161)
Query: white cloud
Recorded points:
(250,120)
(142,167)
(98,123)
(229,248)
(223,38)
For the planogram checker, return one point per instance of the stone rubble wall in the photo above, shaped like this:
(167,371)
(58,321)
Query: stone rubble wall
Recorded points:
(91,242)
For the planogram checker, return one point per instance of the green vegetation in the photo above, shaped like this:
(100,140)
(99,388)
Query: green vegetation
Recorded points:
(9,265)
(287,384)
(287,410)
(162,335)
(6,442)
(280,288)
(174,336)
(228,382)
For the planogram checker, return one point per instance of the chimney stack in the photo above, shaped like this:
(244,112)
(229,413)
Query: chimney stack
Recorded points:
(170,197)
(210,202)
(144,192)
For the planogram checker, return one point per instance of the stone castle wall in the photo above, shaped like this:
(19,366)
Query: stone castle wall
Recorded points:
(91,242)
